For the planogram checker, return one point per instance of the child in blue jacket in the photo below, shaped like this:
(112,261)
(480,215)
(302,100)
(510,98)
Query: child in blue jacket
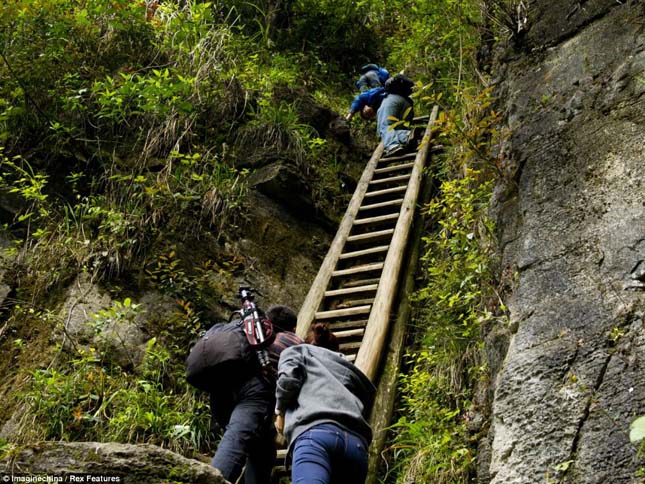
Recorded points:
(372,75)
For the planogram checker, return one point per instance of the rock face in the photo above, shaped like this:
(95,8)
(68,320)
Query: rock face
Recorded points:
(121,338)
(572,230)
(285,253)
(282,182)
(124,463)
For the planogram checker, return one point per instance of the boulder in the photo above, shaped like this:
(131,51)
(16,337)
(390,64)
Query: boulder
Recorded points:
(119,338)
(107,462)
(283,183)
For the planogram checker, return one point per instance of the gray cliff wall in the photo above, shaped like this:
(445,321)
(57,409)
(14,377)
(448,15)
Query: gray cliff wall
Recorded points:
(572,230)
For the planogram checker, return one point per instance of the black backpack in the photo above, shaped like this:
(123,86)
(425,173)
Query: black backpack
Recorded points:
(221,357)
(399,84)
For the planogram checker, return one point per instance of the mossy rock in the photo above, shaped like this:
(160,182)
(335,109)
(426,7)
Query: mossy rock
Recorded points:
(131,464)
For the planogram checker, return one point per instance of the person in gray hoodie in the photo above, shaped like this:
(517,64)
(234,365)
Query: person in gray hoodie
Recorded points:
(323,404)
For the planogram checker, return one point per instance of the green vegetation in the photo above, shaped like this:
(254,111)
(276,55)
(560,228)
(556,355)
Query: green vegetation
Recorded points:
(434,439)
(637,437)
(92,400)
(128,135)
(437,392)
(86,393)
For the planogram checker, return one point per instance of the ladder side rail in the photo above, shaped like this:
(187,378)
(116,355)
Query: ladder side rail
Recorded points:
(316,293)
(368,357)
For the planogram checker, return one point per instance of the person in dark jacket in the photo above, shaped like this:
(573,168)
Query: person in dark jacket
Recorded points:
(372,75)
(367,103)
(323,404)
(246,412)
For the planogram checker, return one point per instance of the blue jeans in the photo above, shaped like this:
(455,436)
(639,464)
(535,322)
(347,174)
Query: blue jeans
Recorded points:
(399,108)
(327,454)
(249,437)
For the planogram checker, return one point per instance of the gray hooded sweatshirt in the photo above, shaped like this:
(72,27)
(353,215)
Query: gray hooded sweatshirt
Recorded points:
(315,386)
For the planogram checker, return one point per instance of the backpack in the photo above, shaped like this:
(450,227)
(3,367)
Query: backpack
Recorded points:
(221,357)
(399,84)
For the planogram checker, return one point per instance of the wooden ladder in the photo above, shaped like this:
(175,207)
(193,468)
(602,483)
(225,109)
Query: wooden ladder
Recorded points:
(356,285)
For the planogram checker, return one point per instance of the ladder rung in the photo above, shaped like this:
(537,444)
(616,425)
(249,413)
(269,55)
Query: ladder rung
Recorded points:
(338,313)
(361,282)
(418,119)
(358,269)
(370,235)
(407,156)
(398,201)
(349,332)
(402,166)
(386,191)
(351,290)
(392,179)
(380,218)
(351,358)
(359,253)
(281,454)
(348,324)
(354,345)
(355,302)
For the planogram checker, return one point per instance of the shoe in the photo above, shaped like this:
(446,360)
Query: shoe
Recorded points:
(419,133)
(394,150)
(413,138)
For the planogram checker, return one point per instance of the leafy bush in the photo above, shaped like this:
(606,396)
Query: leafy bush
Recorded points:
(435,41)
(52,50)
(89,400)
(456,303)
(432,438)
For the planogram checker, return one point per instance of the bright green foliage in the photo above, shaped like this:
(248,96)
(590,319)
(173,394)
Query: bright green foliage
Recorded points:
(17,177)
(432,441)
(125,137)
(457,264)
(433,41)
(158,95)
(475,133)
(91,400)
(52,49)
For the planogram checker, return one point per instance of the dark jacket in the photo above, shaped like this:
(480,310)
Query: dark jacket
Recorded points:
(224,398)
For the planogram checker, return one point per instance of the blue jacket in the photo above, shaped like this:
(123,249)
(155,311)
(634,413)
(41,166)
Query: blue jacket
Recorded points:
(368,80)
(371,98)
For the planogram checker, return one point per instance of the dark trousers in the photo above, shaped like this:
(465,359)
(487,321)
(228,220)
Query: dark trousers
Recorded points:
(327,454)
(249,437)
